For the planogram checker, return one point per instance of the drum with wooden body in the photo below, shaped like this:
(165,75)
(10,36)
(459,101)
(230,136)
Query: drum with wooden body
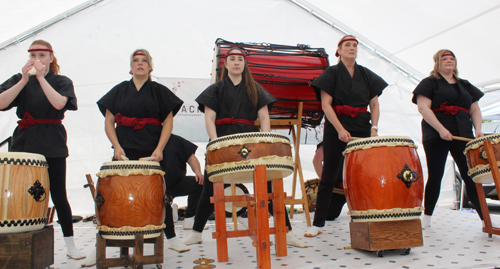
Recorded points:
(24,197)
(383,179)
(312,186)
(479,166)
(130,199)
(232,158)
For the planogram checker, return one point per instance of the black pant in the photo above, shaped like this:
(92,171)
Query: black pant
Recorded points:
(205,208)
(332,173)
(337,202)
(57,180)
(436,152)
(134,154)
(187,186)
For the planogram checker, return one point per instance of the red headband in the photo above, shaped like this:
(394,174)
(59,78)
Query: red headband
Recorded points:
(139,53)
(236,54)
(447,54)
(347,39)
(31,50)
(342,41)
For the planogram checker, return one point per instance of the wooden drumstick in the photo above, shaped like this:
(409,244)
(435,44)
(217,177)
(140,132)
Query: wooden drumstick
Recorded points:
(124,158)
(354,138)
(151,158)
(461,138)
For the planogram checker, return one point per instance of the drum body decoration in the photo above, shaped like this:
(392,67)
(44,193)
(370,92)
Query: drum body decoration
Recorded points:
(24,198)
(284,71)
(479,166)
(130,199)
(232,158)
(383,179)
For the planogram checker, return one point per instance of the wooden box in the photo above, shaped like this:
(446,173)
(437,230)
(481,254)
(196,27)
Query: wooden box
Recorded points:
(385,235)
(34,250)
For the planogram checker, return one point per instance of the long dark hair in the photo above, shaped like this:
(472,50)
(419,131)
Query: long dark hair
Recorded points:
(252,89)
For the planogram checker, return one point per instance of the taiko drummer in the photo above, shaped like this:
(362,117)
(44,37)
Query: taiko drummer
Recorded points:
(42,96)
(449,107)
(231,106)
(345,90)
(143,112)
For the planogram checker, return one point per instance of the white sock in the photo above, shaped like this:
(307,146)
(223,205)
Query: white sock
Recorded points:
(175,244)
(292,240)
(313,231)
(193,238)
(426,221)
(175,212)
(71,249)
(91,259)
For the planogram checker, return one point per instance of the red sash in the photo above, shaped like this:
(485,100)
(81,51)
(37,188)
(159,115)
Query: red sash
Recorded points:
(226,121)
(137,123)
(447,109)
(28,120)
(349,110)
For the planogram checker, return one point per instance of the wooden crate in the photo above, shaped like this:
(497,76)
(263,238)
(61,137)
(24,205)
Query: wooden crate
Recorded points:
(34,250)
(385,235)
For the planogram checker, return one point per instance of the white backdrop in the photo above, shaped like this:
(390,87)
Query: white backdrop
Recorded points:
(93,48)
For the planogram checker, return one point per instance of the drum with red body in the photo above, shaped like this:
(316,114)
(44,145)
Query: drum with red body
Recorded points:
(479,165)
(286,72)
(130,199)
(383,179)
(24,197)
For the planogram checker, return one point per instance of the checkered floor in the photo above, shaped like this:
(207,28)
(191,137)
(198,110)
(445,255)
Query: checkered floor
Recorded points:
(455,240)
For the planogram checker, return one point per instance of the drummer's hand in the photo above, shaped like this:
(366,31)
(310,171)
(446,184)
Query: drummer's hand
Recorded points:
(199,178)
(119,152)
(158,154)
(479,133)
(374,132)
(26,69)
(344,136)
(445,135)
(40,69)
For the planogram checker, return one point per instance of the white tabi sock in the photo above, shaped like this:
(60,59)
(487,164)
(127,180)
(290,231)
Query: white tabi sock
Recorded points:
(71,249)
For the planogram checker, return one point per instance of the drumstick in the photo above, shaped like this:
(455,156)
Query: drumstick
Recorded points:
(151,158)
(354,138)
(461,138)
(124,158)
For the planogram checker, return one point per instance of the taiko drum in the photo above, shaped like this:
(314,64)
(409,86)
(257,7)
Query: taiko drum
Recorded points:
(130,199)
(479,165)
(232,158)
(24,197)
(383,179)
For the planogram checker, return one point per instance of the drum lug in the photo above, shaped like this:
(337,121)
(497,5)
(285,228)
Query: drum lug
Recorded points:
(408,176)
(244,151)
(37,191)
(99,200)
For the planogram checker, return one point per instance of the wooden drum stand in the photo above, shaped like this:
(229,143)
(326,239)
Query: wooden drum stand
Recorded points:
(488,227)
(258,218)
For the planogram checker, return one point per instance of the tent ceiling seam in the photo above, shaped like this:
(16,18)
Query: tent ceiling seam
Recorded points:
(39,28)
(449,28)
(327,19)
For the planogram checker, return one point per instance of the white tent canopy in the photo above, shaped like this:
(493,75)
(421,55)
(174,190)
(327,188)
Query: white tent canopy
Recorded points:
(93,48)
